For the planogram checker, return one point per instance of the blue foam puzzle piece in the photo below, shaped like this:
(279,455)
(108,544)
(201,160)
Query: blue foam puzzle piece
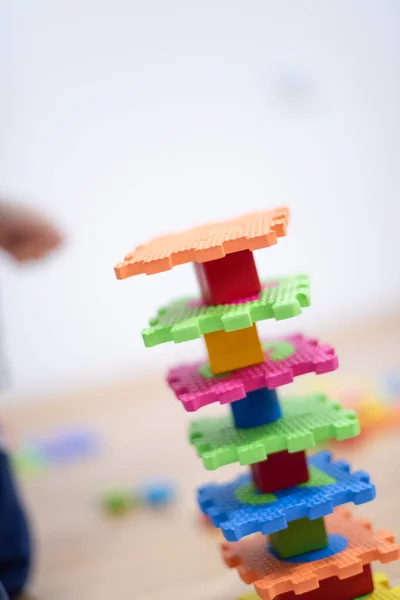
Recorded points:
(15,541)
(237,519)
(336,543)
(257,408)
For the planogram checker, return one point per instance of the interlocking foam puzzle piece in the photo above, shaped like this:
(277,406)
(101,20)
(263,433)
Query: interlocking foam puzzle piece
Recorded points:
(185,319)
(382,591)
(234,349)
(272,577)
(207,242)
(237,508)
(299,537)
(284,359)
(280,471)
(258,408)
(306,421)
(229,278)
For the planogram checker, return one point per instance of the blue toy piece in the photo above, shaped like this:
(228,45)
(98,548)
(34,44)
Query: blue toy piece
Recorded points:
(69,445)
(240,510)
(257,408)
(158,493)
(15,542)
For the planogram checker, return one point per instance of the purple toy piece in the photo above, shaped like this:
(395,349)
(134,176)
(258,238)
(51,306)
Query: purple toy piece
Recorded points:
(195,388)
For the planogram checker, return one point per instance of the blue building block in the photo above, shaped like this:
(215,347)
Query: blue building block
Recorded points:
(15,542)
(158,493)
(257,408)
(240,510)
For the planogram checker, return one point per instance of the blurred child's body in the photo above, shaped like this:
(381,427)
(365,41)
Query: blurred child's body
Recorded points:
(24,235)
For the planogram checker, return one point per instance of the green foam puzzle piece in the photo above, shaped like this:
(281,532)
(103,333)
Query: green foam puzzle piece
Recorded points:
(299,537)
(305,422)
(317,479)
(184,320)
(249,494)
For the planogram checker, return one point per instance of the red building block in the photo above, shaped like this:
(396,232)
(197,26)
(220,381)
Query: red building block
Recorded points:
(281,470)
(334,588)
(228,279)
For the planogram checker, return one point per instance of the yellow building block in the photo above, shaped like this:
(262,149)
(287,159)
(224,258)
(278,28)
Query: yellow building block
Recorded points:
(232,350)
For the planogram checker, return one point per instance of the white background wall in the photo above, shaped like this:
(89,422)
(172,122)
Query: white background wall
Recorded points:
(128,118)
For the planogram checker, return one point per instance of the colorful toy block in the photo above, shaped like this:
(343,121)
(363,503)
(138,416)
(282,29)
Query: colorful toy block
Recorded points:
(305,422)
(233,350)
(272,576)
(189,319)
(118,501)
(280,471)
(257,408)
(239,509)
(284,359)
(207,242)
(312,552)
(158,493)
(299,537)
(229,278)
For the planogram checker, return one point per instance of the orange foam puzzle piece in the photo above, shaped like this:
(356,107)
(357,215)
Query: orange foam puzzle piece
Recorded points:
(207,242)
(272,577)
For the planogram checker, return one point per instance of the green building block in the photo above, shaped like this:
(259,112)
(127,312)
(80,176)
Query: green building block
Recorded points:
(119,501)
(299,537)
(186,319)
(305,422)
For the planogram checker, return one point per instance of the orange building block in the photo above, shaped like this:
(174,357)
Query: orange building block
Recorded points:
(272,577)
(232,350)
(207,242)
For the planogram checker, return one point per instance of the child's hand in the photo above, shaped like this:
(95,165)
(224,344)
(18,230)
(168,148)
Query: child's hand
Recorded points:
(25,234)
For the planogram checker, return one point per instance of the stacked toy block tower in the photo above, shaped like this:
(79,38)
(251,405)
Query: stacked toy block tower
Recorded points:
(286,531)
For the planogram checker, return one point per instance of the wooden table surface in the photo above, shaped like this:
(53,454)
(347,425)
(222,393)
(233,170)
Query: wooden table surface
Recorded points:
(83,554)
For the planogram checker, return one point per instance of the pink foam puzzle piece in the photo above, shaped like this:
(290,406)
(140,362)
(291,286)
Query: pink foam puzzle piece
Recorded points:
(196,389)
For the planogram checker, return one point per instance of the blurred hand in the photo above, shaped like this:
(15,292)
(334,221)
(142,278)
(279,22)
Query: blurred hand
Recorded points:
(25,234)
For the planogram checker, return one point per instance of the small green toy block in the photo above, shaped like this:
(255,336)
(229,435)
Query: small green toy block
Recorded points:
(119,501)
(189,319)
(305,422)
(299,537)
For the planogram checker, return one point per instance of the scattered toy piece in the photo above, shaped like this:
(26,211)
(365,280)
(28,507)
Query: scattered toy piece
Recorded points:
(119,501)
(158,493)
(62,446)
